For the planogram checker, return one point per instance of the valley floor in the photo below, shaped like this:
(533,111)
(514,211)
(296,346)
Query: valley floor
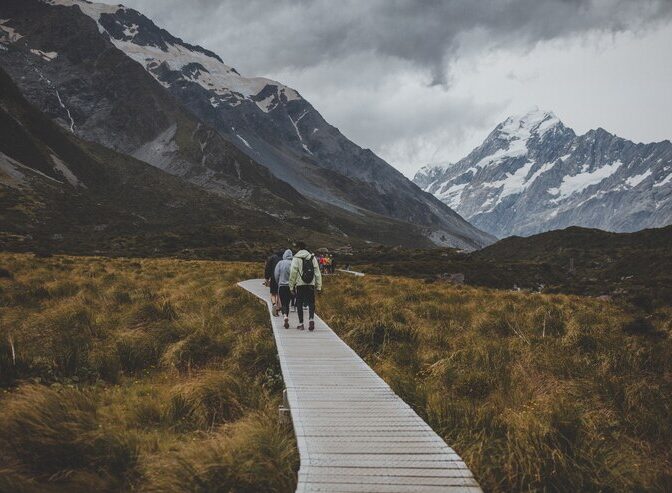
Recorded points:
(161,375)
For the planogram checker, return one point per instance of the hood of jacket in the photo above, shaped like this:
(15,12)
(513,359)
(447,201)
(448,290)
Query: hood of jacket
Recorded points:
(303,254)
(287,255)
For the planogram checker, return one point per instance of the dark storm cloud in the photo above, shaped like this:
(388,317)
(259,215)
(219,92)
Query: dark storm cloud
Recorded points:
(390,73)
(269,35)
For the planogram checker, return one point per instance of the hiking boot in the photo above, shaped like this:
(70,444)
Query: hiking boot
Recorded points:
(286,323)
(311,325)
(300,327)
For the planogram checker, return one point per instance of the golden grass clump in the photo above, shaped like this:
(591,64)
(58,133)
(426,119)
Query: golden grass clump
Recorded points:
(252,455)
(536,392)
(116,374)
(48,433)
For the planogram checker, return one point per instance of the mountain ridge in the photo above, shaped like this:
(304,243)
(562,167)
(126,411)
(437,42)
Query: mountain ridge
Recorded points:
(247,138)
(533,174)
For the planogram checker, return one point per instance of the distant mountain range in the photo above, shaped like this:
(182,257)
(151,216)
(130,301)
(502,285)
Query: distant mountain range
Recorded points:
(109,75)
(534,174)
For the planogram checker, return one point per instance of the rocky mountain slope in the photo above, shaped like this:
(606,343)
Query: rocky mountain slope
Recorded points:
(110,75)
(60,193)
(534,174)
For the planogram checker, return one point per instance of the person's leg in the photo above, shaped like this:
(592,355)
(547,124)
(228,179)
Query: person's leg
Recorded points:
(274,296)
(299,304)
(310,295)
(283,292)
(285,295)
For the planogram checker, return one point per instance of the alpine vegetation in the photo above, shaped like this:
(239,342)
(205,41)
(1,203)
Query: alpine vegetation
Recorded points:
(137,375)
(535,392)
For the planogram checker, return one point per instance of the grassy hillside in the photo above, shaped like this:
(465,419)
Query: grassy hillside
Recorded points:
(536,392)
(147,375)
(632,267)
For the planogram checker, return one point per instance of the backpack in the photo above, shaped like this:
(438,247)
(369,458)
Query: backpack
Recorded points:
(307,270)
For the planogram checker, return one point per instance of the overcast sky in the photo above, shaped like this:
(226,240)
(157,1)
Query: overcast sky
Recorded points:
(422,81)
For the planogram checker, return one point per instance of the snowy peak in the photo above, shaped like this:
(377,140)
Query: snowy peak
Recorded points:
(172,61)
(511,141)
(516,132)
(532,174)
(533,123)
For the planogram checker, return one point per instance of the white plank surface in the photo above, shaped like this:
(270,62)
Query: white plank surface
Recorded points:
(353,272)
(353,432)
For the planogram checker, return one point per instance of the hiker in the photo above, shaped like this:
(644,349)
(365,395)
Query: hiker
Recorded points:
(269,275)
(304,279)
(282,270)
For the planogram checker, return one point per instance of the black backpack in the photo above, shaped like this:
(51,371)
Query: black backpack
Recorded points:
(308,270)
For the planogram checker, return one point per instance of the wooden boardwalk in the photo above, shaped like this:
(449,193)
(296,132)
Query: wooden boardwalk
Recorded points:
(353,432)
(353,272)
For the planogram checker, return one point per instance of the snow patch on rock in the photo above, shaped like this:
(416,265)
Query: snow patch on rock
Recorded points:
(217,77)
(69,176)
(9,173)
(8,34)
(633,181)
(451,195)
(579,182)
(47,56)
(664,181)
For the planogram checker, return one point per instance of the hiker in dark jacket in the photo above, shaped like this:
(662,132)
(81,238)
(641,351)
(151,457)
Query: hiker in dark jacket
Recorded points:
(305,278)
(282,279)
(269,275)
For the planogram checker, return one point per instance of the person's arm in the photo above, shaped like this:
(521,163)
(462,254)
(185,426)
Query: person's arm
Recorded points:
(276,274)
(267,270)
(318,275)
(293,273)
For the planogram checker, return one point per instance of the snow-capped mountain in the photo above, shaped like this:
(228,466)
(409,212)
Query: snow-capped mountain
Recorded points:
(534,174)
(81,63)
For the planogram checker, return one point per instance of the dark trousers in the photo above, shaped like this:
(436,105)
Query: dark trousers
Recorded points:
(285,298)
(305,295)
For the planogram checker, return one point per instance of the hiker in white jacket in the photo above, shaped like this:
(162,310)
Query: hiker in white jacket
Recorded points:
(282,270)
(305,278)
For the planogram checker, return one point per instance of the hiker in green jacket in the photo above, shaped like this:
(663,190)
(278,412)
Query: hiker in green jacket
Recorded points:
(304,279)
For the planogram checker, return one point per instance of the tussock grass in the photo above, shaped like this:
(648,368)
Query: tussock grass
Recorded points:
(142,375)
(258,456)
(160,375)
(536,392)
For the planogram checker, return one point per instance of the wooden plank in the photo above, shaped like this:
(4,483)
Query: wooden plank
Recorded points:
(353,432)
